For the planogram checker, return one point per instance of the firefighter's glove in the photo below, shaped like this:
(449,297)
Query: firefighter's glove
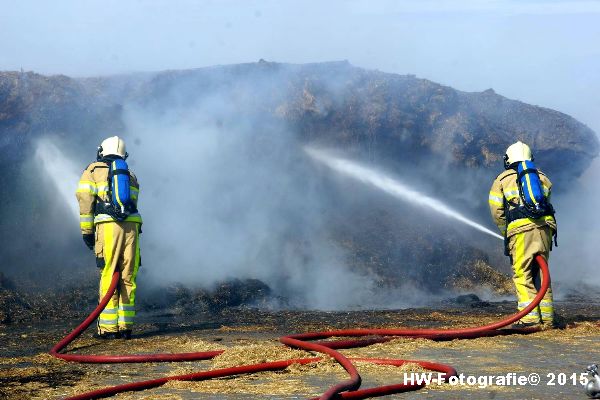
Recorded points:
(89,240)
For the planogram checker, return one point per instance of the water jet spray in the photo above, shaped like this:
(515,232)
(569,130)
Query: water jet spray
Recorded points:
(391,186)
(61,171)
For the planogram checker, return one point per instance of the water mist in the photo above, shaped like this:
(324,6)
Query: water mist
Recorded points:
(61,171)
(391,186)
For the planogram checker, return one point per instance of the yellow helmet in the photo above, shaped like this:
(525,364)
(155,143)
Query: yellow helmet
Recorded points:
(517,152)
(112,146)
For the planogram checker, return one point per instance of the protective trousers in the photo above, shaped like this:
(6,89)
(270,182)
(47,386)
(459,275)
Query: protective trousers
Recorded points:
(117,247)
(524,246)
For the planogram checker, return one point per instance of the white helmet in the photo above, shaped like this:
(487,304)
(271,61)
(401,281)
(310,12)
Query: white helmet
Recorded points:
(517,152)
(113,146)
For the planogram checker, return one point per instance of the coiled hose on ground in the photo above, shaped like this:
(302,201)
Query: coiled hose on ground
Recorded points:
(348,389)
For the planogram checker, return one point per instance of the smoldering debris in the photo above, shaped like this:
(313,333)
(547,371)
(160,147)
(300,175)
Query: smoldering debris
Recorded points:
(18,306)
(170,303)
(480,276)
(183,300)
(11,302)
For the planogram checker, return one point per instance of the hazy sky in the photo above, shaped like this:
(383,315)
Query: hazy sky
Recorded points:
(542,52)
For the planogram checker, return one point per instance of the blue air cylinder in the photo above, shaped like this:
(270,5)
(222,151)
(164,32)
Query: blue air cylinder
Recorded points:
(533,191)
(120,184)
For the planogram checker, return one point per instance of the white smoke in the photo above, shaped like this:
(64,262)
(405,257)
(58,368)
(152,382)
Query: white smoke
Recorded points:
(235,200)
(575,259)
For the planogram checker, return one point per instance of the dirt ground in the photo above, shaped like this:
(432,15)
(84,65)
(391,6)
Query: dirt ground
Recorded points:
(250,336)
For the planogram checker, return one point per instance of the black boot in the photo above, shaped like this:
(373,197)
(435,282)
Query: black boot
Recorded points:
(126,334)
(522,325)
(107,335)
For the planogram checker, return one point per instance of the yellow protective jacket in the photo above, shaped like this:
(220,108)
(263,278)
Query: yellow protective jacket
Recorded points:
(505,188)
(94,184)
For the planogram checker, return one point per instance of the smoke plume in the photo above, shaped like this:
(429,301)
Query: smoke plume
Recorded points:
(574,262)
(225,197)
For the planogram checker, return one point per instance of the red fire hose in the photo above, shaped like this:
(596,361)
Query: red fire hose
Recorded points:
(348,389)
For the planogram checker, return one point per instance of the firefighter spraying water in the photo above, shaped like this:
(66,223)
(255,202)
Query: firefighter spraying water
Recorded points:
(110,225)
(520,205)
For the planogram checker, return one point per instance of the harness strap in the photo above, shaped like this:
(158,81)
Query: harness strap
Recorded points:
(527,171)
(120,172)
(109,208)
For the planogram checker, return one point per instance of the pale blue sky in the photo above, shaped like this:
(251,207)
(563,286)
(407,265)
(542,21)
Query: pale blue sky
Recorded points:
(542,52)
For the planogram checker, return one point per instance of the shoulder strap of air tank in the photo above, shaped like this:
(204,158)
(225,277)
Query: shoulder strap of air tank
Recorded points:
(520,186)
(506,215)
(507,175)
(109,179)
(527,171)
(97,166)
(121,171)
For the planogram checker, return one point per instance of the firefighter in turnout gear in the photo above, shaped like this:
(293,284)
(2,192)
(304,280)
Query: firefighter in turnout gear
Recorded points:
(110,225)
(526,220)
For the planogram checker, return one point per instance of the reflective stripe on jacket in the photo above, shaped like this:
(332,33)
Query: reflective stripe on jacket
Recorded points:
(93,185)
(505,187)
